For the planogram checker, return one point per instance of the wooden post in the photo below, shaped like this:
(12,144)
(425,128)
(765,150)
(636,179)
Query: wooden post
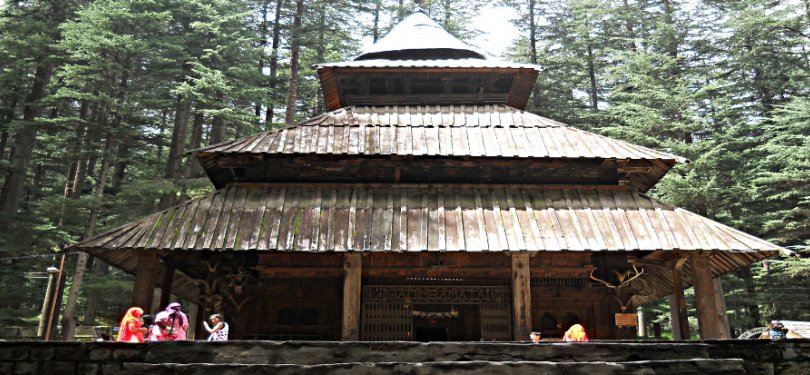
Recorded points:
(710,325)
(720,299)
(144,288)
(521,297)
(677,307)
(352,268)
(166,286)
(195,319)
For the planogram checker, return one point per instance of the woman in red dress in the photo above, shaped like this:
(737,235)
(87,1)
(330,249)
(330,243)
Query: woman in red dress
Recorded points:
(131,329)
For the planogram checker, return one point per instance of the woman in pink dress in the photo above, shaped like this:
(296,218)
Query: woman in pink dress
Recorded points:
(173,323)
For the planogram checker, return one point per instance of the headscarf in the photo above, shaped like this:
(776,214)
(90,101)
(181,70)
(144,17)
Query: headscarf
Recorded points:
(132,315)
(575,333)
(175,308)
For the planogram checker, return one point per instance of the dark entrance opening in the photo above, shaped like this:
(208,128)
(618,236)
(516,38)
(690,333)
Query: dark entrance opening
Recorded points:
(426,334)
(445,322)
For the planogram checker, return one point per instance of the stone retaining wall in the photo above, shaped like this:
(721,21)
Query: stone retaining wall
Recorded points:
(108,358)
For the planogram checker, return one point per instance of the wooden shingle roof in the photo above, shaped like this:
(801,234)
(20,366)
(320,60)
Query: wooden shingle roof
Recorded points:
(450,218)
(363,217)
(456,131)
(486,132)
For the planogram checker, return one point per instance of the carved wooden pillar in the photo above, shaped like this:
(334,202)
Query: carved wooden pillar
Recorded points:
(144,289)
(352,272)
(677,306)
(710,325)
(166,286)
(521,297)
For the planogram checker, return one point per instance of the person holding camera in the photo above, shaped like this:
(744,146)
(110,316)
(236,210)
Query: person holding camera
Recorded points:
(218,328)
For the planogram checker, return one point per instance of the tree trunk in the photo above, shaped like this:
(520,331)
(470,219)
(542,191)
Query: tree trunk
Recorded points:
(592,76)
(8,117)
(121,163)
(533,50)
(273,82)
(196,140)
(176,149)
(76,149)
(631,33)
(375,30)
(94,296)
(218,126)
(320,53)
(751,307)
(196,137)
(295,49)
(262,47)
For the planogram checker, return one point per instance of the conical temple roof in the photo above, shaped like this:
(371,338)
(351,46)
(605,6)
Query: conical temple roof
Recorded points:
(420,63)
(418,37)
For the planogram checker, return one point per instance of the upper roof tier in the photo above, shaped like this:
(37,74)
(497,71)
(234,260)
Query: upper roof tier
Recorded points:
(418,62)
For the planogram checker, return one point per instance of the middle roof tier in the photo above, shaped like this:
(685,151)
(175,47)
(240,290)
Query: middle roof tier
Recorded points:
(453,143)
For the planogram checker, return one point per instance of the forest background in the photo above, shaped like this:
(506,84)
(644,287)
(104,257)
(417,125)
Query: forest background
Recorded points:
(100,101)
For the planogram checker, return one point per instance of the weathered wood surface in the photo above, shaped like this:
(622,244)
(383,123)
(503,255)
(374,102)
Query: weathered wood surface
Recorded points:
(379,218)
(521,297)
(350,327)
(710,323)
(145,277)
(314,218)
(459,130)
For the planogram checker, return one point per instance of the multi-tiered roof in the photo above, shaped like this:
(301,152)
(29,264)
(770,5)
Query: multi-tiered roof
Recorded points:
(427,148)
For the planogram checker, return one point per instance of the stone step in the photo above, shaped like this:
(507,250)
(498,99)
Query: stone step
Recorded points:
(314,352)
(682,367)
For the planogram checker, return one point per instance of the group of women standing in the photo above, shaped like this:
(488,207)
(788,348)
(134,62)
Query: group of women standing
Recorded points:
(168,325)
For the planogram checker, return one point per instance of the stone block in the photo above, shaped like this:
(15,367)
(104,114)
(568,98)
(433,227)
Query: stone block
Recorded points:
(150,368)
(114,369)
(129,353)
(59,368)
(26,368)
(43,353)
(71,353)
(87,368)
(99,354)
(6,367)
(14,353)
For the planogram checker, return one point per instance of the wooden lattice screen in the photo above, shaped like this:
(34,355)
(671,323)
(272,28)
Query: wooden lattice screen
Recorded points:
(387,305)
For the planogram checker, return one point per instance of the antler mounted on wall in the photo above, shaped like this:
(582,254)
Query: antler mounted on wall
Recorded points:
(624,278)
(235,284)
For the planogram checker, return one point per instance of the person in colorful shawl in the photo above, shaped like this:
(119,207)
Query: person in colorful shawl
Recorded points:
(576,333)
(173,323)
(130,329)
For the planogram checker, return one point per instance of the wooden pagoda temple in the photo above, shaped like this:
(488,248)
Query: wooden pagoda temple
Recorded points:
(427,205)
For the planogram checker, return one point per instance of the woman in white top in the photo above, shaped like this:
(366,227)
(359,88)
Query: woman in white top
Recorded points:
(218,328)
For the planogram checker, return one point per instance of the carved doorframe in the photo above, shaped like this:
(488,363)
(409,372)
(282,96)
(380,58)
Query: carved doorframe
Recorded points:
(387,305)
